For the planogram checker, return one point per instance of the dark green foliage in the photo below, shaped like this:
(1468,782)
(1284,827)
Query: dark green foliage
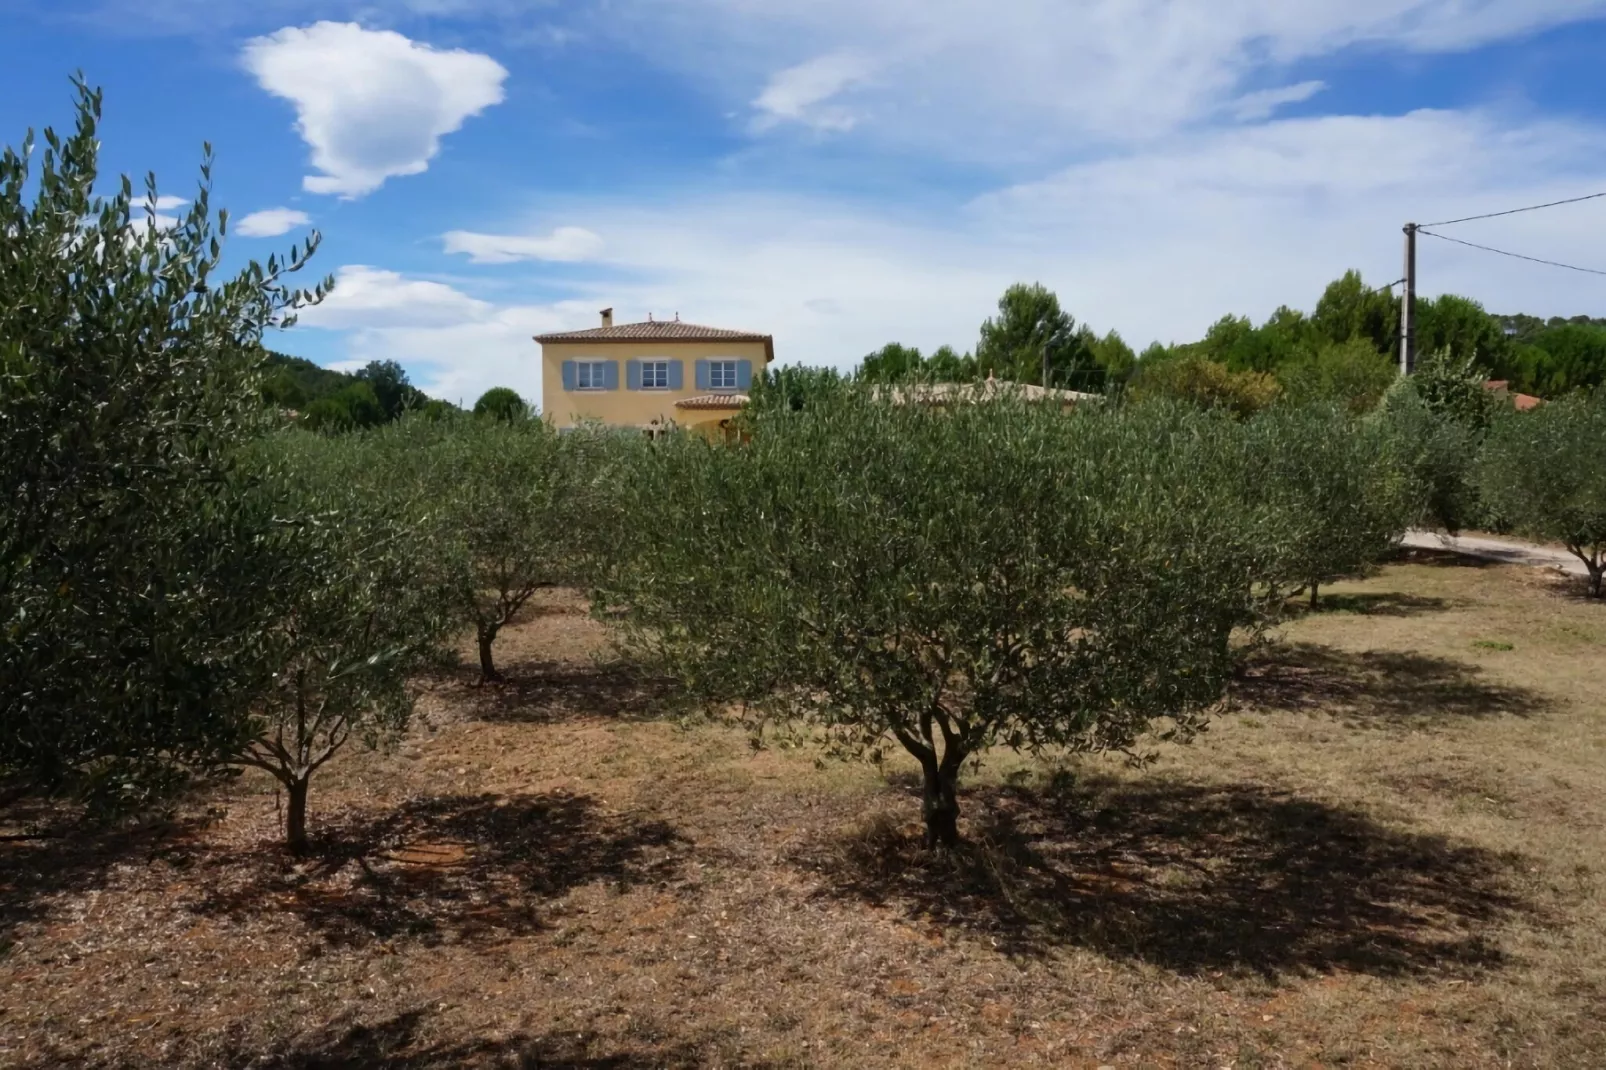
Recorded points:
(334,401)
(294,383)
(791,388)
(352,407)
(894,363)
(128,378)
(1544,472)
(1033,340)
(391,388)
(1461,329)
(502,403)
(945,581)
(1350,309)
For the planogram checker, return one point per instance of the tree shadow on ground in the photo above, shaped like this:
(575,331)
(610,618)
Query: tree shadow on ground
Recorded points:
(1371,604)
(1193,878)
(544,692)
(1436,558)
(1375,688)
(409,1041)
(48,850)
(448,869)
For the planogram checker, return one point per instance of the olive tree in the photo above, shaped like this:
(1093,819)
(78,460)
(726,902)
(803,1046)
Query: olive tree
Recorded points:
(511,509)
(1339,483)
(356,607)
(943,581)
(127,381)
(1545,471)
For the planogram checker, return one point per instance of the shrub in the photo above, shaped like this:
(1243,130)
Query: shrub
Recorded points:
(501,403)
(1203,383)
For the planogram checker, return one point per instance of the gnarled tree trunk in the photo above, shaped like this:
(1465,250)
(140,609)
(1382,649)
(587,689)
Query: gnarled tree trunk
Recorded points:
(940,806)
(487,636)
(295,815)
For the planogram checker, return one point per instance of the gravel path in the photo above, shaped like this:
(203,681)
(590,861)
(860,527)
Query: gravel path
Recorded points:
(1502,550)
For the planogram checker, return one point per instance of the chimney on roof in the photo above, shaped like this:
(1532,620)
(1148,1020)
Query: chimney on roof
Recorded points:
(607,317)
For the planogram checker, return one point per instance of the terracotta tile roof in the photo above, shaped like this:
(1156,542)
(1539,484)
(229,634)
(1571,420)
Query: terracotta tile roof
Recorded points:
(712,402)
(660,331)
(1521,402)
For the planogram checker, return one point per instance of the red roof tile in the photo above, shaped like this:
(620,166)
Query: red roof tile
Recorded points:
(659,331)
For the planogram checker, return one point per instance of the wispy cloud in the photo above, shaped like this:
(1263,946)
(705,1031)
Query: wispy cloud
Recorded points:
(563,244)
(802,94)
(1262,103)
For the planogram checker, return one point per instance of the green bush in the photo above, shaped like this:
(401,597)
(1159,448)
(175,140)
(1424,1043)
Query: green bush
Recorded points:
(501,403)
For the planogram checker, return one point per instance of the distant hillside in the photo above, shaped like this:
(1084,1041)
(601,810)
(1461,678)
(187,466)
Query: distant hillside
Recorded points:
(295,382)
(337,401)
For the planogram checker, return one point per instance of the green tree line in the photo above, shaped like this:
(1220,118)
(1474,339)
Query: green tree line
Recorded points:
(1345,350)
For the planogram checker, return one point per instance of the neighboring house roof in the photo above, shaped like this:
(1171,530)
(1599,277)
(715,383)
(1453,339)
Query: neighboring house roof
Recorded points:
(707,402)
(659,331)
(987,390)
(1521,402)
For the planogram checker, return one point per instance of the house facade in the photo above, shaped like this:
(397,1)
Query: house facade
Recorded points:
(652,376)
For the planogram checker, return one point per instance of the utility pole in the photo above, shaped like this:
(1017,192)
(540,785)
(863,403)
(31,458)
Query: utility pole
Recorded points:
(1408,305)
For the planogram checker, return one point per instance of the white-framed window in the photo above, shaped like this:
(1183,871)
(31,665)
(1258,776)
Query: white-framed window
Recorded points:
(590,375)
(655,375)
(722,375)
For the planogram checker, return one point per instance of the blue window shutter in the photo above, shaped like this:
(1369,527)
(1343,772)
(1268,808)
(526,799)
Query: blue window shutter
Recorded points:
(744,374)
(633,375)
(568,375)
(610,375)
(677,380)
(702,375)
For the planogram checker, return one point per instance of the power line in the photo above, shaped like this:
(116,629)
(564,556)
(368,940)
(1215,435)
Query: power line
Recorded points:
(1514,211)
(1388,286)
(1502,252)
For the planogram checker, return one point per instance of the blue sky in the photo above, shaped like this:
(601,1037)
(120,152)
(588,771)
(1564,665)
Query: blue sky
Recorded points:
(841,174)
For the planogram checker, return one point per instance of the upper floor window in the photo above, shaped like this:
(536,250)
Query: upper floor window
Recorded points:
(655,375)
(590,375)
(722,375)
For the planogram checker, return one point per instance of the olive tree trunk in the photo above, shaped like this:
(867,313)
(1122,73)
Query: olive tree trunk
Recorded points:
(295,814)
(940,806)
(487,636)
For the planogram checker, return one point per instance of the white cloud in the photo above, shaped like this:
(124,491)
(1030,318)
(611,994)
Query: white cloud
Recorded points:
(271,222)
(1035,79)
(1262,103)
(366,297)
(563,244)
(798,93)
(167,202)
(371,104)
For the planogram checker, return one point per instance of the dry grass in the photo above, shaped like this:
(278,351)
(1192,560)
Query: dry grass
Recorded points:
(1389,854)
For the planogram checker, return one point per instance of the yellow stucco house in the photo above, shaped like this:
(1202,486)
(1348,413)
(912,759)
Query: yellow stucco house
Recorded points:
(653,375)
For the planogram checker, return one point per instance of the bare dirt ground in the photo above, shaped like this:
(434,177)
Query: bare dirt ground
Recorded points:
(1389,854)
